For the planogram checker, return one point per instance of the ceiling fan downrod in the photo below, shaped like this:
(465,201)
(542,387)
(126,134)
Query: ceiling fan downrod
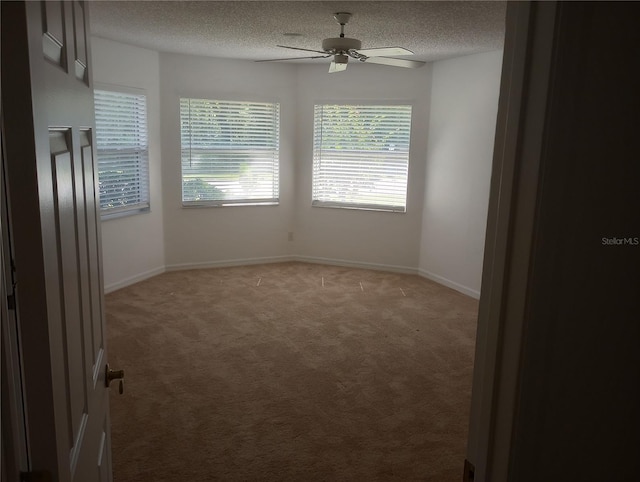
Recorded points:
(342,18)
(341,45)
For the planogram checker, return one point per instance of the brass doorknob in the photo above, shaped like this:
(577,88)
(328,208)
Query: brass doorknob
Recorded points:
(111,375)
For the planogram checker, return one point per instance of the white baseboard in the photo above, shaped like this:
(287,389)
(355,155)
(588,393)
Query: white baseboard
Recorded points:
(303,259)
(356,264)
(282,259)
(449,284)
(134,279)
(229,262)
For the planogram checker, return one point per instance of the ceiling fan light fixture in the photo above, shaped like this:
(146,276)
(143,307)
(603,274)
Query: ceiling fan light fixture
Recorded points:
(335,67)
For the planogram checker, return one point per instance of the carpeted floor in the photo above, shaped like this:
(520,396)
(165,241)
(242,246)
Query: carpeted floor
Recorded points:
(290,372)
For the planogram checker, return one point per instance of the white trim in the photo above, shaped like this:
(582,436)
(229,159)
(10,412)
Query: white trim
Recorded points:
(522,125)
(299,258)
(251,97)
(412,101)
(125,89)
(449,284)
(302,259)
(356,264)
(134,279)
(229,263)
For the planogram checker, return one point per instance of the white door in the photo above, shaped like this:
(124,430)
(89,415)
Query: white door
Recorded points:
(48,136)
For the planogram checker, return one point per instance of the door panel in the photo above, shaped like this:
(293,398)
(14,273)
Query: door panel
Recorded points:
(93,312)
(80,40)
(53,200)
(53,32)
(66,204)
(103,459)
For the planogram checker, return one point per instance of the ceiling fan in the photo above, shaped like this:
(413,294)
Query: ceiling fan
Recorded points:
(342,48)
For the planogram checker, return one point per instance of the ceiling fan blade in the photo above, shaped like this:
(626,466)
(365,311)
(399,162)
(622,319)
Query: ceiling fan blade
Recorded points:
(298,48)
(385,52)
(334,67)
(410,64)
(295,58)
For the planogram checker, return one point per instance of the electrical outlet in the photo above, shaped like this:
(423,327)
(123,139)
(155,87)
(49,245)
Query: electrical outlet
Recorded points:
(290,236)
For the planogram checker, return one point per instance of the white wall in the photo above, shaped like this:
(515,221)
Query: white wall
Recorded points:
(215,236)
(441,235)
(370,238)
(462,124)
(133,246)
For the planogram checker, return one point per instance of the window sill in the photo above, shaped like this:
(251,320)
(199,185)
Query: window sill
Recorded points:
(122,213)
(205,204)
(356,207)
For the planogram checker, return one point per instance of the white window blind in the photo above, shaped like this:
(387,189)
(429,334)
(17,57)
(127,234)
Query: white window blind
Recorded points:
(230,152)
(361,156)
(122,149)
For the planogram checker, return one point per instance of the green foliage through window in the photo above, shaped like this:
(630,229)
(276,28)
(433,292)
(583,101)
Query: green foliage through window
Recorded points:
(122,150)
(230,152)
(361,156)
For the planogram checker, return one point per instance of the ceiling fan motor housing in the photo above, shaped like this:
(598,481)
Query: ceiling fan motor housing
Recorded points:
(340,59)
(338,44)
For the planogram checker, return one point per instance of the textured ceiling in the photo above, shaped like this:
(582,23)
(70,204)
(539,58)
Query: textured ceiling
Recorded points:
(251,30)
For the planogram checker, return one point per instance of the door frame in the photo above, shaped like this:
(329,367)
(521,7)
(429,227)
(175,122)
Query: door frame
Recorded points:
(519,144)
(37,359)
(14,453)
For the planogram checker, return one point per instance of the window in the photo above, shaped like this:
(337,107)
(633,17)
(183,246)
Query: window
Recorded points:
(230,152)
(361,156)
(123,159)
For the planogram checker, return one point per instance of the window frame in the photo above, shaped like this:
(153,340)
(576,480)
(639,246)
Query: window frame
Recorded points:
(357,205)
(276,129)
(145,189)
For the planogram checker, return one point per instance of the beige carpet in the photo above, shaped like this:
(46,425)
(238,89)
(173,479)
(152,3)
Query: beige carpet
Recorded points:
(290,372)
